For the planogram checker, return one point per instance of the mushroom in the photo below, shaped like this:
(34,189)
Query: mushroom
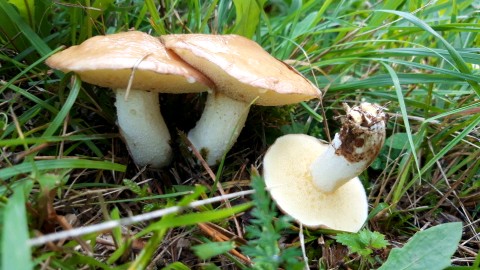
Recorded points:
(315,182)
(243,74)
(138,67)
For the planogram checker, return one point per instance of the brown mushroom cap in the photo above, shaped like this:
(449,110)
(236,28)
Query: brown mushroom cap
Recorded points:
(108,61)
(286,169)
(242,69)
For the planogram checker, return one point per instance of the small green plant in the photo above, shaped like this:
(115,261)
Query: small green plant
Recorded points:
(265,232)
(364,243)
(141,192)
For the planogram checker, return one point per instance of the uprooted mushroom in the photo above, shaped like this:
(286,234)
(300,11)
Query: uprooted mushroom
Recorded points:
(316,182)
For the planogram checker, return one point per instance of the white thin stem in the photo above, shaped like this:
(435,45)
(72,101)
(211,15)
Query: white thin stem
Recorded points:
(219,126)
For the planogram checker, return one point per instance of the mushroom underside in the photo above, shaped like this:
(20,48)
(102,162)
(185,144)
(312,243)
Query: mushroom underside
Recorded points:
(288,178)
(142,79)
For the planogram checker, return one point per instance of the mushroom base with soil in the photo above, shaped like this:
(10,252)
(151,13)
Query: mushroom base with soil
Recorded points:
(353,149)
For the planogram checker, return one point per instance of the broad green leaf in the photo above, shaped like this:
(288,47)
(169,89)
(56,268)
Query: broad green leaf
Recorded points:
(16,253)
(397,141)
(352,241)
(429,249)
(374,240)
(209,250)
(362,242)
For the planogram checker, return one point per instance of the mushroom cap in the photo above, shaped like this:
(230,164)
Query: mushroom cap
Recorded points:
(242,69)
(108,61)
(286,169)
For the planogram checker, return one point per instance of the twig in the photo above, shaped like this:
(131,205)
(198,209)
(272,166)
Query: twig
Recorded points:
(129,220)
(214,178)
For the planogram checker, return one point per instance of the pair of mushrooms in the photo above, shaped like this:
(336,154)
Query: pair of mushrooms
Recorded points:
(236,71)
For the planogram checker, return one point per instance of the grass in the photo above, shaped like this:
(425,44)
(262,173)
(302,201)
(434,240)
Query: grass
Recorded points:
(63,164)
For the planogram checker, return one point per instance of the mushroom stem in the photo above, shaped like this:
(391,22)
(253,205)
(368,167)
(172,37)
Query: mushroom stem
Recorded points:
(353,149)
(143,128)
(219,126)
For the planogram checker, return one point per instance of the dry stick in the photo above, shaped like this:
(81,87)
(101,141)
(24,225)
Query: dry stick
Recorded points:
(220,237)
(132,75)
(302,245)
(64,223)
(20,156)
(214,178)
(64,132)
(130,220)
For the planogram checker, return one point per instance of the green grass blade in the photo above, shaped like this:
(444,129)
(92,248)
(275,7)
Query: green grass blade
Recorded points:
(60,117)
(403,109)
(16,21)
(475,123)
(156,22)
(386,80)
(212,249)
(378,19)
(208,15)
(33,98)
(15,251)
(28,167)
(24,71)
(248,16)
(39,140)
(194,218)
(457,58)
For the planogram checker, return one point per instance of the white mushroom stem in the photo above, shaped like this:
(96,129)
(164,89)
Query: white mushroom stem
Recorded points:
(219,126)
(353,149)
(143,128)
